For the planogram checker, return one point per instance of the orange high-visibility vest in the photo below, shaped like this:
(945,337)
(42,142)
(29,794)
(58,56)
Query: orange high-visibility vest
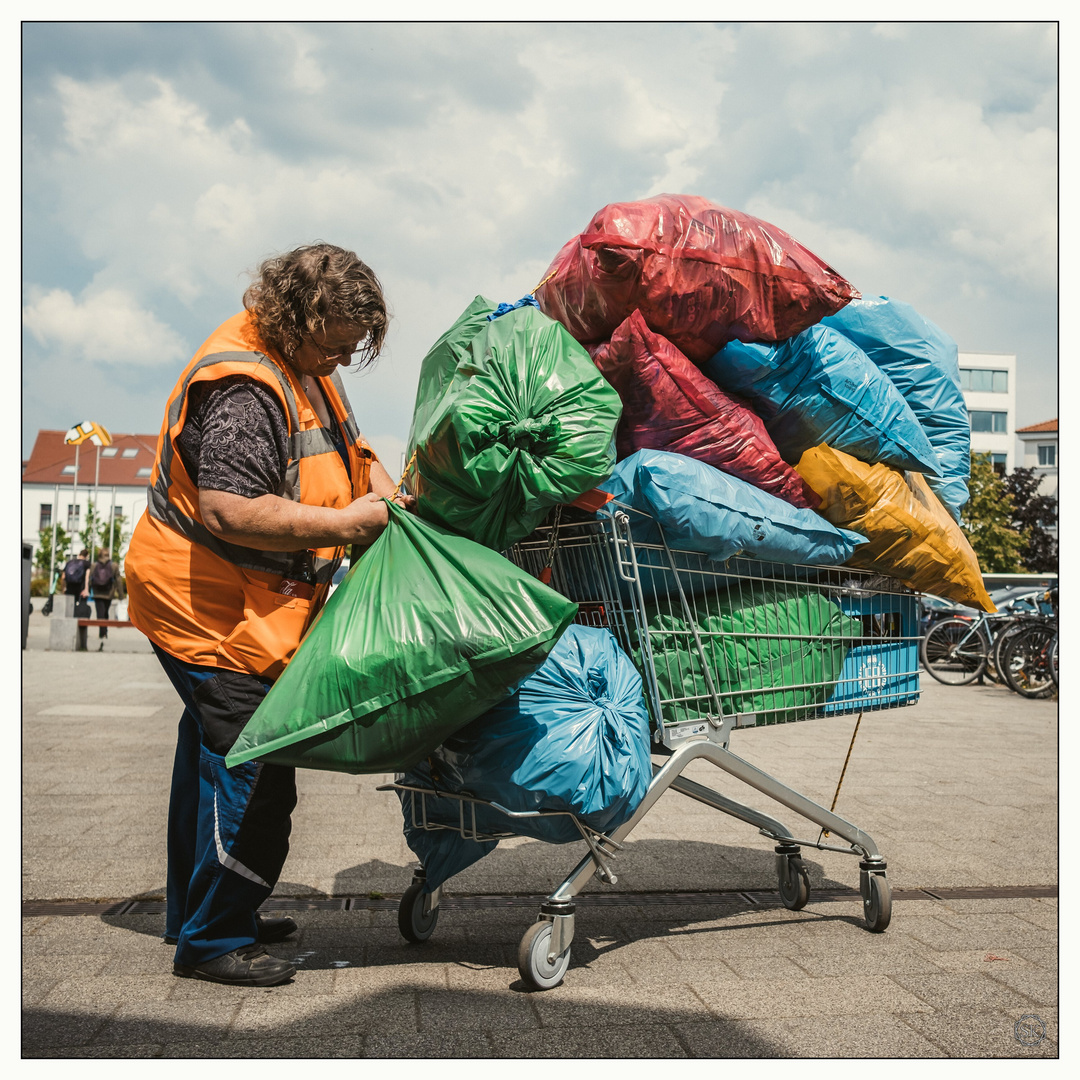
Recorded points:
(211,602)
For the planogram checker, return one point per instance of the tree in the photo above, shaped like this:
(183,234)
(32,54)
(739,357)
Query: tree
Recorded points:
(43,555)
(89,533)
(95,535)
(119,537)
(1032,513)
(988,519)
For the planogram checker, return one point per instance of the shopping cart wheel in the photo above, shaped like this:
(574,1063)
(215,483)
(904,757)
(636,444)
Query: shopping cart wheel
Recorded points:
(533,963)
(794,881)
(412,921)
(877,902)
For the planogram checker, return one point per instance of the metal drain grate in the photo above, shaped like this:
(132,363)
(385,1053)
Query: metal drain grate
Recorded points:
(729,898)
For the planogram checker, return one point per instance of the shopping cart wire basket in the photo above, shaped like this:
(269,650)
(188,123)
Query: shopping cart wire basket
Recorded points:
(720,646)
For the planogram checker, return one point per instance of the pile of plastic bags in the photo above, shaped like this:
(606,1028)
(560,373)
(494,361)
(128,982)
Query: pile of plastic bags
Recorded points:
(699,365)
(740,352)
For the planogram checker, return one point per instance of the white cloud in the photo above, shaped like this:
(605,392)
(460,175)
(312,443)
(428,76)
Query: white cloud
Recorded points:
(985,185)
(307,74)
(108,326)
(102,118)
(457,159)
(890,31)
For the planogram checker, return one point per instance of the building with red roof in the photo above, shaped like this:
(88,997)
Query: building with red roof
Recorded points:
(1040,442)
(53,489)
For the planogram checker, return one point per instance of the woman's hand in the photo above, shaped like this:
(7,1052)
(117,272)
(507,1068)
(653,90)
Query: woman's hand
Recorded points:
(363,519)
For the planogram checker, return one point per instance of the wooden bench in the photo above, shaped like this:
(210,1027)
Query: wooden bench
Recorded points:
(105,622)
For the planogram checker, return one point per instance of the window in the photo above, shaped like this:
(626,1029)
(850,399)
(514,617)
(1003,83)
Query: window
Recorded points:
(45,521)
(984,420)
(72,518)
(1048,455)
(131,451)
(144,471)
(999,461)
(109,451)
(984,380)
(68,470)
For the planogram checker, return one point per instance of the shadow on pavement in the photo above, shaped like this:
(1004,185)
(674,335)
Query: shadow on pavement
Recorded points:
(683,865)
(409,1021)
(468,936)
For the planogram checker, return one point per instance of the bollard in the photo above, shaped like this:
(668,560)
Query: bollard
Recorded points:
(64,633)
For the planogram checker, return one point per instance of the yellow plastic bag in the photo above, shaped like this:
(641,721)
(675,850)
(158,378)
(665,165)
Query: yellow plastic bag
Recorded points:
(912,537)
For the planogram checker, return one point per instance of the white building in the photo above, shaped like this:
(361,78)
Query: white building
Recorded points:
(50,486)
(1040,442)
(988,381)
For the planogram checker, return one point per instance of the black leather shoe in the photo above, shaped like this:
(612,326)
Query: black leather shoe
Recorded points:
(267,931)
(249,966)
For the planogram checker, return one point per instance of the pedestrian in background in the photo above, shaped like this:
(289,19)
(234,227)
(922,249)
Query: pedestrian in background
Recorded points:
(261,482)
(77,575)
(104,585)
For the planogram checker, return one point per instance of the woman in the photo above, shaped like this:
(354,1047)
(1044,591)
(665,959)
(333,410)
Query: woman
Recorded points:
(261,482)
(77,575)
(104,585)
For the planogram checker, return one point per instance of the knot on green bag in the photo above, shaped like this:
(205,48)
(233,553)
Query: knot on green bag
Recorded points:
(536,435)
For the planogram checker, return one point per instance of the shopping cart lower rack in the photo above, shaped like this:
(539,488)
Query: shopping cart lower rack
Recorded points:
(720,646)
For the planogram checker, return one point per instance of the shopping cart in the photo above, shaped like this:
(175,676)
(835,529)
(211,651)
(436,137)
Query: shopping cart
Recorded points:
(720,646)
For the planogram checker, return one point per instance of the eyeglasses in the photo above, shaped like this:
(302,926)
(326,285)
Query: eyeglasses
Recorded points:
(338,354)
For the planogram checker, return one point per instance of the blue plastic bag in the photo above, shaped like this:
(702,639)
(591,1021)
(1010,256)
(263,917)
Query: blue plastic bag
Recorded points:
(574,737)
(708,511)
(921,361)
(819,387)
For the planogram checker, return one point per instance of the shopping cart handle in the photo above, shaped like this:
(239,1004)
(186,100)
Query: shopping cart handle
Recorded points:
(625,560)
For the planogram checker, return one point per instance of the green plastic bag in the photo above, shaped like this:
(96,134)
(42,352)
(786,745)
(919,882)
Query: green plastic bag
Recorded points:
(511,417)
(773,650)
(427,632)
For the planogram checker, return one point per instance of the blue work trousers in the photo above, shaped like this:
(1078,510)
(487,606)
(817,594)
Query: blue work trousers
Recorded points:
(228,830)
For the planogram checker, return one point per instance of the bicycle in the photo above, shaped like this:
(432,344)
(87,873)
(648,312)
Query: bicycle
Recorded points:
(1019,624)
(1026,658)
(958,651)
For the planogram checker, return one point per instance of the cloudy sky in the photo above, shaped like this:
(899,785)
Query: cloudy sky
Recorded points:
(161,162)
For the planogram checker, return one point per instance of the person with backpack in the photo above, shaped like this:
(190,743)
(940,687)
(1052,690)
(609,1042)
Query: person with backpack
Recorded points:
(104,584)
(77,575)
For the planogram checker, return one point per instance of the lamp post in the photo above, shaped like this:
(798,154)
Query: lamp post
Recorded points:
(52,550)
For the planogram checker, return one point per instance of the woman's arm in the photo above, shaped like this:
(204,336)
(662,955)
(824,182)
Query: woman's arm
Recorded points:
(271,523)
(381,483)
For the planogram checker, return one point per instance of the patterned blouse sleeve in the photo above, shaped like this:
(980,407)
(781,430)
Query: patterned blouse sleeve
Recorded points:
(239,442)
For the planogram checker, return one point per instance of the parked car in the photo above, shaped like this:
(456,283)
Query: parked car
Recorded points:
(934,608)
(1018,598)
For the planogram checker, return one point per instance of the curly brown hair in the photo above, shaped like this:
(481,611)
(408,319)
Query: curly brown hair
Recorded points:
(301,291)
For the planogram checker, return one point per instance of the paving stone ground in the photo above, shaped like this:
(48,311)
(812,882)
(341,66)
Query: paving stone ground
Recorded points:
(957,791)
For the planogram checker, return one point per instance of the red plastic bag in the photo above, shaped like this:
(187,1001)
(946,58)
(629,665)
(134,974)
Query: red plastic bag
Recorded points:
(669,405)
(702,275)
